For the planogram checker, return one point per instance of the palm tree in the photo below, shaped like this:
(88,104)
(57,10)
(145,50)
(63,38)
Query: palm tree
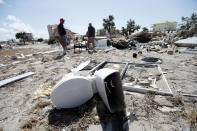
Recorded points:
(137,27)
(194,23)
(188,26)
(194,18)
(21,36)
(124,31)
(132,27)
(144,29)
(108,24)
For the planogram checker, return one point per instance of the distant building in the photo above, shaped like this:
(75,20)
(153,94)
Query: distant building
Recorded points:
(164,26)
(29,36)
(101,32)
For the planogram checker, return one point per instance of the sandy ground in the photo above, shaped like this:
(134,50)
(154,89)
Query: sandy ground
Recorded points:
(20,110)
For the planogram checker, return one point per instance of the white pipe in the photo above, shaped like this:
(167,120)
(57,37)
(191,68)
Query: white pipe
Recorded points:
(144,91)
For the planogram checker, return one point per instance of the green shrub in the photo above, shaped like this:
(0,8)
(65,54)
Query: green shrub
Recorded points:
(53,41)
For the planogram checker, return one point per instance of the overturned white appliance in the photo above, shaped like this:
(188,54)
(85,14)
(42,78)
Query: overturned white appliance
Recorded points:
(189,42)
(75,90)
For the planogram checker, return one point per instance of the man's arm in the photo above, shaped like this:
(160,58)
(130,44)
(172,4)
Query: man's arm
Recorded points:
(58,31)
(59,36)
(94,32)
(88,32)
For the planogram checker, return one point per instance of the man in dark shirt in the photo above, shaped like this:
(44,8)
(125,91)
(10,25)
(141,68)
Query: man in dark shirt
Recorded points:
(91,36)
(62,35)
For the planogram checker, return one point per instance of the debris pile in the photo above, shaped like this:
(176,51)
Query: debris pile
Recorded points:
(139,82)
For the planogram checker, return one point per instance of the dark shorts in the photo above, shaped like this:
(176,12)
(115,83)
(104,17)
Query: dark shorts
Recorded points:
(91,38)
(63,38)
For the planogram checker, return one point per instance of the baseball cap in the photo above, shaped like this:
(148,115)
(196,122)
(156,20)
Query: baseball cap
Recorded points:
(61,19)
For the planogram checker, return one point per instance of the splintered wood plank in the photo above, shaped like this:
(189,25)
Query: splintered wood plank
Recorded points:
(16,78)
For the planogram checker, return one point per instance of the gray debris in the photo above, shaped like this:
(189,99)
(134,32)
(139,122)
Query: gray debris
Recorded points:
(44,112)
(14,58)
(162,101)
(188,51)
(2,65)
(44,59)
(170,52)
(151,59)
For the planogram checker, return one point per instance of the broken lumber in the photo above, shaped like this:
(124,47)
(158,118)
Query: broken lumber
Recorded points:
(81,66)
(16,78)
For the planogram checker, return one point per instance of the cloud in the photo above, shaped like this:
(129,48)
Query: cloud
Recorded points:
(3,30)
(21,27)
(14,25)
(2,2)
(5,24)
(4,34)
(18,25)
(41,34)
(13,18)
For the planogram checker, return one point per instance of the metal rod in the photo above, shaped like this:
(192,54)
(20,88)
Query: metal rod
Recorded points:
(113,62)
(124,71)
(137,65)
(190,95)
(144,91)
(98,66)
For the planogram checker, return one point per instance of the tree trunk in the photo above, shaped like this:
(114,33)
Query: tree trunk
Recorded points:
(109,33)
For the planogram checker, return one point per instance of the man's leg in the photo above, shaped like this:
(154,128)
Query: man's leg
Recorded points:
(93,44)
(62,44)
(65,44)
(88,44)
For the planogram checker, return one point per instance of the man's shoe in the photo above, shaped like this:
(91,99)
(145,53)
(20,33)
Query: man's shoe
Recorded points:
(64,53)
(94,51)
(89,51)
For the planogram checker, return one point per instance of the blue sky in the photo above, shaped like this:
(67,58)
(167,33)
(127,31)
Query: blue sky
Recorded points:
(35,15)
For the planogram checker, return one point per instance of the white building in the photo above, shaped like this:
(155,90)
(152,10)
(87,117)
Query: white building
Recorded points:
(29,36)
(52,29)
(101,32)
(164,26)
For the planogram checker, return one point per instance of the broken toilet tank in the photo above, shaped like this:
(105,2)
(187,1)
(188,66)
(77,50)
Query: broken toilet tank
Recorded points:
(76,90)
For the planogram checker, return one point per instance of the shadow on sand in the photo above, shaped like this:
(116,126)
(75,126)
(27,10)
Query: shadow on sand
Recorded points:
(84,115)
